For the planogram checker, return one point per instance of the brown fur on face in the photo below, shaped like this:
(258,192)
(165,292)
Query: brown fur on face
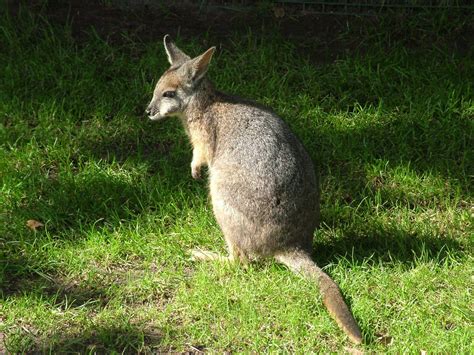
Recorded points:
(162,106)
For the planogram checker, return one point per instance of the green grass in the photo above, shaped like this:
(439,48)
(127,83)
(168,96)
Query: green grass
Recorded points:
(390,131)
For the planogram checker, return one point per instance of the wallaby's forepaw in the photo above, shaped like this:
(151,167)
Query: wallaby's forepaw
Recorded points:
(196,172)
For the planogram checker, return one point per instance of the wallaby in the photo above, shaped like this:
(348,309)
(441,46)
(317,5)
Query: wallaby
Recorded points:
(263,186)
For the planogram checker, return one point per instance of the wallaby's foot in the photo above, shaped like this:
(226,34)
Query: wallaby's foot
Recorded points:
(205,255)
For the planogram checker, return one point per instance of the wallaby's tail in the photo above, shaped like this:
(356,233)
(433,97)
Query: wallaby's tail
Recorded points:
(300,262)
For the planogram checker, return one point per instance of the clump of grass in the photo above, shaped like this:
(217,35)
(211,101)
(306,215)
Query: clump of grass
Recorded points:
(390,133)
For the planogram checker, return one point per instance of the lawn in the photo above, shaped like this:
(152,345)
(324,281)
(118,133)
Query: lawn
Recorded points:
(387,116)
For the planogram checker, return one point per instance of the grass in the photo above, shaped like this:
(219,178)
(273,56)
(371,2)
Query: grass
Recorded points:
(390,131)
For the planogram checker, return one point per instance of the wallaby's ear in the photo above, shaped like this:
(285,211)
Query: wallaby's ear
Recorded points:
(198,66)
(175,55)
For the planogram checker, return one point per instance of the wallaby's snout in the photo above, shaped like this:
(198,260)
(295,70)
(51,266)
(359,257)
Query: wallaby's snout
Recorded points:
(148,110)
(152,110)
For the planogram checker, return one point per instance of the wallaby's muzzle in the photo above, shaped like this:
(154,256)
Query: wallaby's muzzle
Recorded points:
(148,111)
(153,112)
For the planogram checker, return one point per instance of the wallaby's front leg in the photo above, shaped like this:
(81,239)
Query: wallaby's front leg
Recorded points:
(197,162)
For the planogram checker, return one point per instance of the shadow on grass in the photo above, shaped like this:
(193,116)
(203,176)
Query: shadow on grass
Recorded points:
(125,339)
(71,206)
(428,145)
(398,144)
(24,275)
(376,245)
(74,206)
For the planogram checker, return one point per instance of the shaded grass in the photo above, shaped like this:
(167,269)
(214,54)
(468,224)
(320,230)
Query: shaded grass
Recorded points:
(390,132)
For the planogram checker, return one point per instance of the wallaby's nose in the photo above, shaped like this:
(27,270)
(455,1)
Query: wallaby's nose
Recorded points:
(148,110)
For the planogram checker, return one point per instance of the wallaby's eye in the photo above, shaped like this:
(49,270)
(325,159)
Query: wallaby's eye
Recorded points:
(169,94)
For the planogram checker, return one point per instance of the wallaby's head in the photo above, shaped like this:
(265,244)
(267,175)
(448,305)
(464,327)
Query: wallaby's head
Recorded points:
(179,83)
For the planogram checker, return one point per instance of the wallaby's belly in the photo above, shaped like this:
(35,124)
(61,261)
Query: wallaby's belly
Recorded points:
(264,193)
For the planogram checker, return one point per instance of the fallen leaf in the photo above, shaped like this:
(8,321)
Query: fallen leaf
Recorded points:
(385,339)
(34,224)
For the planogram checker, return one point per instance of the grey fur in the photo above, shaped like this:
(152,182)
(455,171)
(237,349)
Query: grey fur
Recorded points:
(175,55)
(263,186)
